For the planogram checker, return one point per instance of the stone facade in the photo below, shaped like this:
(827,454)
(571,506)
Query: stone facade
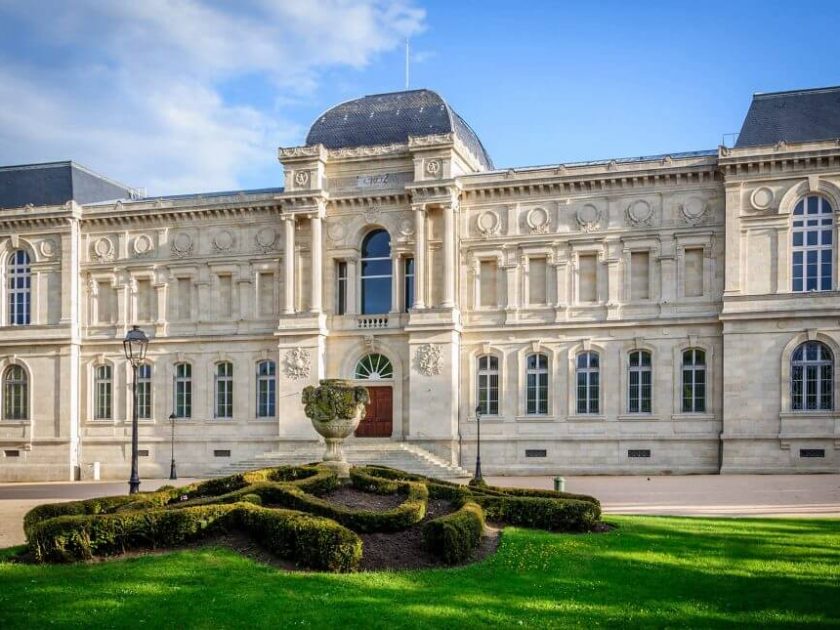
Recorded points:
(637,260)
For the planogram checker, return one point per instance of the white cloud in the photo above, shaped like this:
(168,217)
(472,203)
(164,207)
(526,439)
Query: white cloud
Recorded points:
(137,90)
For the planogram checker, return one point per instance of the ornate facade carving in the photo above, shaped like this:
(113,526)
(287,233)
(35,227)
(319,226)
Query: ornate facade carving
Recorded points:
(639,213)
(182,245)
(428,360)
(588,218)
(297,364)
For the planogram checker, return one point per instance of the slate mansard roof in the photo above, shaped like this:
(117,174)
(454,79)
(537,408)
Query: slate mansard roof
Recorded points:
(56,183)
(391,118)
(795,116)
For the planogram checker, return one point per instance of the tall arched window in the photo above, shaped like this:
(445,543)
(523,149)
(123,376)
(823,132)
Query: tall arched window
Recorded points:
(376,273)
(536,387)
(588,373)
(813,244)
(102,392)
(374,367)
(639,381)
(224,390)
(694,381)
(15,393)
(144,391)
(488,385)
(183,390)
(20,282)
(266,389)
(811,382)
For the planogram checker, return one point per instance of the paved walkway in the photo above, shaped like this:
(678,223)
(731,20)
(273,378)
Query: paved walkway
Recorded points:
(693,495)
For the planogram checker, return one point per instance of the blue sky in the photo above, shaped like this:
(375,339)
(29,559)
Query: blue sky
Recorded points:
(195,95)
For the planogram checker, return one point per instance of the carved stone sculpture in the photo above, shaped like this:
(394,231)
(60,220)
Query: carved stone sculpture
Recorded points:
(335,408)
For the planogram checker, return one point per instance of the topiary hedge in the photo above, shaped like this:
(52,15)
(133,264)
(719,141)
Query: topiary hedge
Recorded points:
(454,537)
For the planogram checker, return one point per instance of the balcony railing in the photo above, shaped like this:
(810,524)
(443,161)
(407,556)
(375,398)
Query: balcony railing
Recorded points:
(368,322)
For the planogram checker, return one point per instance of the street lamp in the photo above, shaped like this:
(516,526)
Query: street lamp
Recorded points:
(173,474)
(478,445)
(134,344)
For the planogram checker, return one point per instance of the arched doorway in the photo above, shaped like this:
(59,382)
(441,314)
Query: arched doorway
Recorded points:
(379,417)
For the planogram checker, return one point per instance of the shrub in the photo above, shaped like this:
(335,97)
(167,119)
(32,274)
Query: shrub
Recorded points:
(409,512)
(73,508)
(530,492)
(252,498)
(311,541)
(552,514)
(453,538)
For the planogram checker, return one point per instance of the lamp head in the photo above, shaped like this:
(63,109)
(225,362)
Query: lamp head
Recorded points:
(135,344)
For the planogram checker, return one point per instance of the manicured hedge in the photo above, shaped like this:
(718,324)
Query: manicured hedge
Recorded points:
(101,505)
(560,515)
(545,494)
(409,512)
(310,541)
(454,537)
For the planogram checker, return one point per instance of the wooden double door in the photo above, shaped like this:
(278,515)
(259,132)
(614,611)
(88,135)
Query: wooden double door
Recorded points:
(379,417)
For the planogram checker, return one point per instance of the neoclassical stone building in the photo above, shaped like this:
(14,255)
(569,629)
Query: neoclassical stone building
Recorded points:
(677,313)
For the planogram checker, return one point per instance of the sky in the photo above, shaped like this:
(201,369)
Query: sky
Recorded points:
(180,96)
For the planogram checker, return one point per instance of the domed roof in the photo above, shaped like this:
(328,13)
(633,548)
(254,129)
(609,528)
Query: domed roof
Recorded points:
(392,118)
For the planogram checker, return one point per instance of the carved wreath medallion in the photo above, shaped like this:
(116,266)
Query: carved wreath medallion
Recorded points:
(265,239)
(588,218)
(297,364)
(538,220)
(694,210)
(182,245)
(640,212)
(428,360)
(302,178)
(103,249)
(488,223)
(142,245)
(222,241)
(433,167)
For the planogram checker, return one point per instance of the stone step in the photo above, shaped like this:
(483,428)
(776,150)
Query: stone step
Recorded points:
(407,457)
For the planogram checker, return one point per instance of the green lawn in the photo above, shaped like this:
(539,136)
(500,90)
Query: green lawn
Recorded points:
(649,572)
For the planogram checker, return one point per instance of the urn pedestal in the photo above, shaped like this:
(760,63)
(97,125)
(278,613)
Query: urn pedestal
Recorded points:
(335,408)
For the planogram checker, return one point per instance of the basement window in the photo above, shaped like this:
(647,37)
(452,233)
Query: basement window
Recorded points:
(221,453)
(143,452)
(531,452)
(812,452)
(638,452)
(11,453)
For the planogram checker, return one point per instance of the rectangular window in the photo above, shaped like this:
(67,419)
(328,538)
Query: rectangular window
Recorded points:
(266,389)
(267,299)
(106,303)
(488,273)
(183,390)
(224,390)
(588,278)
(225,297)
(408,286)
(693,272)
(102,392)
(340,287)
(639,276)
(144,391)
(537,281)
(184,299)
(488,385)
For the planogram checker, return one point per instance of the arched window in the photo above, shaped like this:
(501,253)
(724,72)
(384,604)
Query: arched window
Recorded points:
(144,391)
(639,382)
(15,393)
(374,367)
(102,392)
(183,390)
(813,244)
(224,390)
(811,382)
(376,273)
(694,381)
(488,385)
(20,282)
(588,373)
(266,389)
(536,387)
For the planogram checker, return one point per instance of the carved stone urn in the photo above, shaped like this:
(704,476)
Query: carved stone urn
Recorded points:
(335,408)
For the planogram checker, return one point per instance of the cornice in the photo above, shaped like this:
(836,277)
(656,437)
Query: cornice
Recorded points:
(126,214)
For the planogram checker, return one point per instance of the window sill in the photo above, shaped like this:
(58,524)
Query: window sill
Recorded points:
(14,423)
(536,418)
(693,416)
(586,417)
(639,417)
(487,419)
(812,413)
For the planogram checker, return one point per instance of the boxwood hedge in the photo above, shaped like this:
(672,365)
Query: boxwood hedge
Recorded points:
(454,537)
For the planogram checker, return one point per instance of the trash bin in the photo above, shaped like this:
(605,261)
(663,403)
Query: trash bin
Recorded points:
(559,484)
(92,471)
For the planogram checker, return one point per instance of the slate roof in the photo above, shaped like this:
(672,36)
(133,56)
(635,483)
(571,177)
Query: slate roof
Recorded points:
(56,183)
(796,116)
(390,118)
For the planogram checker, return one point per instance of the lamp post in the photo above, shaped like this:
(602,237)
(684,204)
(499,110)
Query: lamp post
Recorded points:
(478,445)
(134,344)
(173,474)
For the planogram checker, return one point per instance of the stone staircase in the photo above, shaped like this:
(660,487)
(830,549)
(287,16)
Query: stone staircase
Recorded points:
(401,455)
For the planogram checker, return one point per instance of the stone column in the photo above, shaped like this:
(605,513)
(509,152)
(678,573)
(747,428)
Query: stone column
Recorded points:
(419,257)
(289,265)
(448,257)
(396,275)
(316,290)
